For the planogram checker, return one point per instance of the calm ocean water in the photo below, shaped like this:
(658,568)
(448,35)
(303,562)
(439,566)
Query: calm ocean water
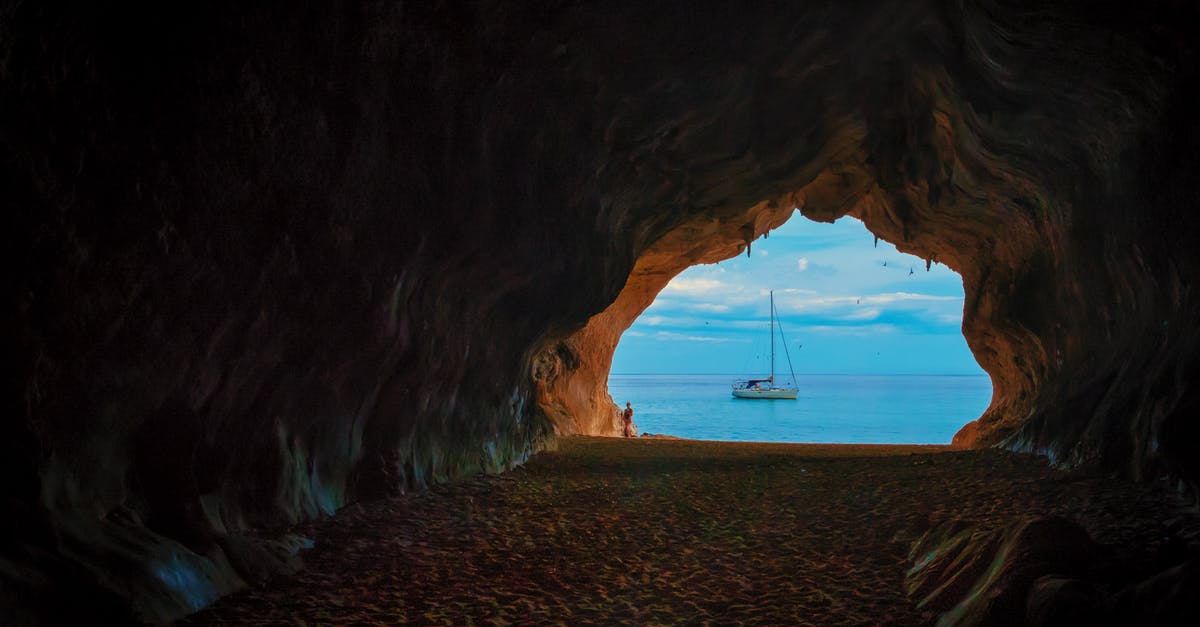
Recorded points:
(885,409)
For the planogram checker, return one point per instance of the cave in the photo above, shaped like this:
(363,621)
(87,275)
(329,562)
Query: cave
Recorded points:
(268,262)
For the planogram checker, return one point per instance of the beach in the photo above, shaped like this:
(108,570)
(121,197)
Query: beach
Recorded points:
(668,531)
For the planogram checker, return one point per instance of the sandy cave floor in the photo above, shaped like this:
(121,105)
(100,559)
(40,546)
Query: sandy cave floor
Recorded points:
(665,531)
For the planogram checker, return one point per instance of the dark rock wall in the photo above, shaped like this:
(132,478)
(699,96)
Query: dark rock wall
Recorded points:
(270,259)
(1099,297)
(1043,153)
(267,262)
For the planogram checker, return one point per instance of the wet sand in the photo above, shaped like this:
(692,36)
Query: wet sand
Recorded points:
(667,531)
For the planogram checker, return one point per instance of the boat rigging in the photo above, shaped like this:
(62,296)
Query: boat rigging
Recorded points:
(766,388)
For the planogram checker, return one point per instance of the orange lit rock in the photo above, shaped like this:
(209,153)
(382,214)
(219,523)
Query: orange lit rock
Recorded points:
(269,263)
(572,375)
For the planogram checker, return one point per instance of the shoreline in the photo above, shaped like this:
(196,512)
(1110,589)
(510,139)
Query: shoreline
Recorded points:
(864,447)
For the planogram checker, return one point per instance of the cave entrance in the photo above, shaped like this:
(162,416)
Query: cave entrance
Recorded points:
(874,336)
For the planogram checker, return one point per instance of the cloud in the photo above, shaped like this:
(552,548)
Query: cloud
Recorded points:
(688,285)
(678,322)
(808,303)
(747,324)
(705,294)
(867,313)
(804,264)
(954,318)
(856,331)
(671,336)
(828,282)
(883,299)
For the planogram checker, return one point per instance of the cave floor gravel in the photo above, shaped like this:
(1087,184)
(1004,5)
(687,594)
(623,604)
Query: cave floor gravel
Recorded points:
(668,531)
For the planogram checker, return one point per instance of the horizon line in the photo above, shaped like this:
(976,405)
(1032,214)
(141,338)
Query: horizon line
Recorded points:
(810,374)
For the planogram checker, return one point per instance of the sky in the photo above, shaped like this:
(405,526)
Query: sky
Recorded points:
(846,306)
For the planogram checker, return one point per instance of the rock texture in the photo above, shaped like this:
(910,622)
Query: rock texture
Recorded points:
(1028,569)
(269,260)
(1047,570)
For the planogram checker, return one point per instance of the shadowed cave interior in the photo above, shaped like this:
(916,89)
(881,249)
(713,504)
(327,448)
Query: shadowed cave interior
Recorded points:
(271,262)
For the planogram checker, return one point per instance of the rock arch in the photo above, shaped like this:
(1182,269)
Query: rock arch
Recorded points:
(269,264)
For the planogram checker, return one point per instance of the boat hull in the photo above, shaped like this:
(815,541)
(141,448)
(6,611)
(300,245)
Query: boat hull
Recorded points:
(785,393)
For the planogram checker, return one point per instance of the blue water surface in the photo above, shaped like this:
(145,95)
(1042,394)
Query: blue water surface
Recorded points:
(884,409)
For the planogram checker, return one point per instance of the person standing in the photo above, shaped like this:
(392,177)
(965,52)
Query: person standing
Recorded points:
(627,420)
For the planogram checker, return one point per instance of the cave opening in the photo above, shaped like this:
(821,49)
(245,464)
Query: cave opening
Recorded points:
(871,335)
(273,264)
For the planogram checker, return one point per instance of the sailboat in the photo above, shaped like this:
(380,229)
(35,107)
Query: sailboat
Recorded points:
(766,388)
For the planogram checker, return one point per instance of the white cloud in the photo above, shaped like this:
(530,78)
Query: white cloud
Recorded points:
(828,276)
(954,318)
(706,295)
(883,299)
(857,331)
(671,336)
(693,286)
(866,313)
(809,303)
(674,322)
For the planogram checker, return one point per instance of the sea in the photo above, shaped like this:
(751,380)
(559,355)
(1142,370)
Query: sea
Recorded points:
(850,409)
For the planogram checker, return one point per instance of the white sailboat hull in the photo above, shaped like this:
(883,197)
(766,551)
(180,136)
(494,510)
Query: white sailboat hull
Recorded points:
(788,393)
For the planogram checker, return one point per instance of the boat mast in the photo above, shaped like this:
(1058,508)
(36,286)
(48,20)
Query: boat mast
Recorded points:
(772,336)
